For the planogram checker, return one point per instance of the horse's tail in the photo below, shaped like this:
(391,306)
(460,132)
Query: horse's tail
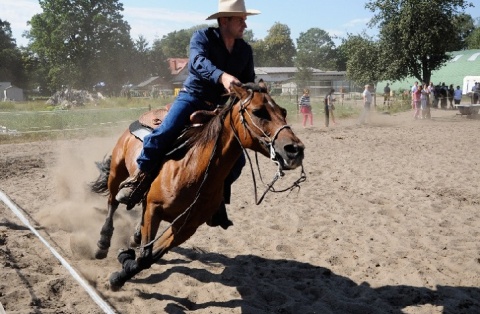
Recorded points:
(100,185)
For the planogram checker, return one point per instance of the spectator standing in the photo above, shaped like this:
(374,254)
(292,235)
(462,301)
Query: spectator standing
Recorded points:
(443,96)
(475,92)
(431,94)
(457,95)
(416,102)
(451,91)
(437,95)
(413,90)
(386,95)
(424,102)
(329,107)
(306,108)
(367,101)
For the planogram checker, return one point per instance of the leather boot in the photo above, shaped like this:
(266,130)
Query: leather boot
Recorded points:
(133,189)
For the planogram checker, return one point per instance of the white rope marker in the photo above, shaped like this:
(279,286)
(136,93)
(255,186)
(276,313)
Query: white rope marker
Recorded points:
(95,297)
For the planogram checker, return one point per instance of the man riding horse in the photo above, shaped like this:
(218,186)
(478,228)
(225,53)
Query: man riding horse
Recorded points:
(219,57)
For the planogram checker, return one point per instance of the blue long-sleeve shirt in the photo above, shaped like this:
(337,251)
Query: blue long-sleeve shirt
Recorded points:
(209,58)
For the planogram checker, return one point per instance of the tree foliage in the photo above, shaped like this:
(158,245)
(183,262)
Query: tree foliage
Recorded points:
(11,66)
(464,26)
(82,42)
(79,43)
(415,35)
(177,43)
(277,49)
(473,40)
(363,63)
(316,49)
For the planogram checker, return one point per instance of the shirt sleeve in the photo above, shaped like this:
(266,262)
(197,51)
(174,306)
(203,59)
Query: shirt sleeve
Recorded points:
(200,62)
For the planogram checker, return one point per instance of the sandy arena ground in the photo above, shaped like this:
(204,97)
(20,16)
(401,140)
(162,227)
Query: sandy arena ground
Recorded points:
(388,221)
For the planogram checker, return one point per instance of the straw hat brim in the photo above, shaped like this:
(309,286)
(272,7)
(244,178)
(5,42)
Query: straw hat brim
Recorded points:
(236,13)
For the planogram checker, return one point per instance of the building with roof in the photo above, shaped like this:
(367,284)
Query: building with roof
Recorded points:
(282,80)
(462,70)
(9,92)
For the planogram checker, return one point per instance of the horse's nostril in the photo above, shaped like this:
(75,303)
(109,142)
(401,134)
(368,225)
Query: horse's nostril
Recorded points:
(294,148)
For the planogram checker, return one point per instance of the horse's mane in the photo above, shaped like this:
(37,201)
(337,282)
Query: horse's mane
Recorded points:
(201,136)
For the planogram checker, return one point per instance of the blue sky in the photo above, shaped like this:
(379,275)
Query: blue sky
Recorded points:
(155,18)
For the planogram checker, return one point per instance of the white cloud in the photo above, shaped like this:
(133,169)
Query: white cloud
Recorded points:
(154,23)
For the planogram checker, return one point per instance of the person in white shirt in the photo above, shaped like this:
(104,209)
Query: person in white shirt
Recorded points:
(367,101)
(412,93)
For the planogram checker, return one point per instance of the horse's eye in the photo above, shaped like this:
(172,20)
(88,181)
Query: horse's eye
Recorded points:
(261,113)
(284,112)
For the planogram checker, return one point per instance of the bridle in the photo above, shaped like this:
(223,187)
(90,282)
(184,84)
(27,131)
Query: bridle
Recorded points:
(266,140)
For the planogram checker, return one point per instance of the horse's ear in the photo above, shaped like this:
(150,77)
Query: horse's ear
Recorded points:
(263,85)
(239,90)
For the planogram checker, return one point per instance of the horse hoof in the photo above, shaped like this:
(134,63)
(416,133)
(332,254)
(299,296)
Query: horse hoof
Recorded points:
(125,255)
(116,281)
(101,254)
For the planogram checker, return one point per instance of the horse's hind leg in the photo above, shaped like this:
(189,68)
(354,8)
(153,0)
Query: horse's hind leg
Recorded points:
(106,232)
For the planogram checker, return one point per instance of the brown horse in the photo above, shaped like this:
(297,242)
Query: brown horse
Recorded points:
(189,187)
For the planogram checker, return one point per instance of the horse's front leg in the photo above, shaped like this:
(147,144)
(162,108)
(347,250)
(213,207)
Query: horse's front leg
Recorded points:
(136,239)
(131,266)
(106,232)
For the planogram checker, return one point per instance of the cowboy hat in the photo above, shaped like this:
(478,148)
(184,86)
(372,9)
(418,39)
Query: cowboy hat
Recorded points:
(227,8)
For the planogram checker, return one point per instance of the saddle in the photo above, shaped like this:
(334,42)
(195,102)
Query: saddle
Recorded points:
(153,118)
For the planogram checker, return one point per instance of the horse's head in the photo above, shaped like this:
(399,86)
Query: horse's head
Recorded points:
(261,126)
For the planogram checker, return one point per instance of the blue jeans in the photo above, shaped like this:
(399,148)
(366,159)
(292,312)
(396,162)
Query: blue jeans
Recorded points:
(158,143)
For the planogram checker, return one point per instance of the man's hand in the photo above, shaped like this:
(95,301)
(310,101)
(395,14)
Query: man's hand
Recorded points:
(227,79)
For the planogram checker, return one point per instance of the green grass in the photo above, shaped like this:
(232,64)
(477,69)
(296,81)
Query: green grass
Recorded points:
(35,120)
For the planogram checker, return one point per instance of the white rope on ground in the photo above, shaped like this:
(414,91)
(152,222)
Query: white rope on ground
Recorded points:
(100,302)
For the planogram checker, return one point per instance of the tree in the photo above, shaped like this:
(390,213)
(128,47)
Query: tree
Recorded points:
(473,40)
(277,49)
(415,35)
(159,63)
(363,59)
(82,42)
(177,43)
(464,26)
(174,44)
(248,36)
(316,49)
(140,66)
(11,66)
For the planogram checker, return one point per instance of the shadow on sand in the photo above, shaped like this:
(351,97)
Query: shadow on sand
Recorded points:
(288,286)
